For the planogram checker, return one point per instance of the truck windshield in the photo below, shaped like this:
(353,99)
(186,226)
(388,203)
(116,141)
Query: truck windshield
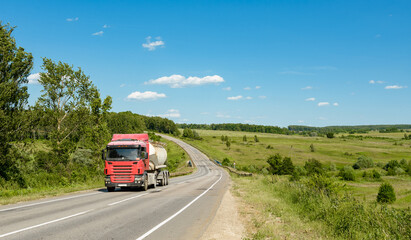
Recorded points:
(123,153)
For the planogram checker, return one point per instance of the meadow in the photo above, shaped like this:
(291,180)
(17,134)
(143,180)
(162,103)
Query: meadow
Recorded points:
(269,201)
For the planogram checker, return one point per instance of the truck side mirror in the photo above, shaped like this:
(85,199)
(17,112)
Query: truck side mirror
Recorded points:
(144,155)
(103,154)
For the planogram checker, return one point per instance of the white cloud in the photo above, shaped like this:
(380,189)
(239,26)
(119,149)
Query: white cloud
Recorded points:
(221,115)
(148,95)
(395,87)
(72,19)
(98,33)
(204,113)
(373,82)
(257,87)
(310,99)
(33,78)
(178,81)
(248,98)
(106,26)
(321,104)
(151,46)
(227,89)
(262,97)
(322,118)
(172,113)
(307,88)
(235,98)
(122,85)
(336,104)
(247,88)
(300,121)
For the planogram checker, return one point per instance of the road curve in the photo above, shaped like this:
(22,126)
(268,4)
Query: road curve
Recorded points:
(181,210)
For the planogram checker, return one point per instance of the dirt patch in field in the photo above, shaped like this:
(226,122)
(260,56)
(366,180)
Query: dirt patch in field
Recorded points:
(227,222)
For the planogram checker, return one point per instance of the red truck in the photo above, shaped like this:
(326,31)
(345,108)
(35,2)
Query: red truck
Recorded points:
(131,160)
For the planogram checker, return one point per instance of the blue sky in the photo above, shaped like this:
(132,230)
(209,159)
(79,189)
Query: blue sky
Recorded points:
(280,63)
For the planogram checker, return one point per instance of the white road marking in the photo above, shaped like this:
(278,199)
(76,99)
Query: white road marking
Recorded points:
(114,203)
(42,224)
(55,200)
(177,213)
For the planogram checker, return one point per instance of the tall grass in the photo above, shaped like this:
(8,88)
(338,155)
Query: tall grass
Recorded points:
(319,199)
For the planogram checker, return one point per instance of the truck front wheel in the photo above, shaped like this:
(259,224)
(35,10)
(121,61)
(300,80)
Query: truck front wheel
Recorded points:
(110,189)
(145,187)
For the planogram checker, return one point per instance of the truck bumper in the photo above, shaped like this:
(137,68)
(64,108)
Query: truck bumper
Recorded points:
(138,182)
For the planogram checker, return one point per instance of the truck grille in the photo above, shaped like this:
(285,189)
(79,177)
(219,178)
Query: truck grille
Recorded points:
(122,174)
(126,169)
(122,178)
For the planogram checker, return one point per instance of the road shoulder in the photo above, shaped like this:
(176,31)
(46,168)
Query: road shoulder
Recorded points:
(227,223)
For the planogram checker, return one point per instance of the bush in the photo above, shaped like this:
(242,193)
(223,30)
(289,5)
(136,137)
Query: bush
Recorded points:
(386,194)
(347,173)
(330,135)
(287,166)
(313,166)
(226,162)
(312,148)
(363,162)
(376,174)
(280,165)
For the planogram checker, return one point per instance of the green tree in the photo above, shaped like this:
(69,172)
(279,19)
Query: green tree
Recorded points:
(228,144)
(244,138)
(256,138)
(15,66)
(188,133)
(67,100)
(287,166)
(275,162)
(312,148)
(222,138)
(314,167)
(386,194)
(330,135)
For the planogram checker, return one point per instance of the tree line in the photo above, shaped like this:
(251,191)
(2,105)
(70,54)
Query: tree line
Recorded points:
(58,140)
(237,127)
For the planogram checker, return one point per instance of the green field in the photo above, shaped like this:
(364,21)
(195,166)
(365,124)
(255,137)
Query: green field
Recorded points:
(268,202)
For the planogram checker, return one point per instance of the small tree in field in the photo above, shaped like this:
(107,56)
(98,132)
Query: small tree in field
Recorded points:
(386,194)
(228,144)
(312,148)
(256,138)
(244,138)
(330,135)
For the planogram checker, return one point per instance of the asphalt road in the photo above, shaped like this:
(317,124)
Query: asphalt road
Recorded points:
(181,210)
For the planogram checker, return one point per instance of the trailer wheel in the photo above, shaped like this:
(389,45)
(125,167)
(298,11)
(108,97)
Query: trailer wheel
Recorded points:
(110,189)
(145,187)
(166,180)
(162,182)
